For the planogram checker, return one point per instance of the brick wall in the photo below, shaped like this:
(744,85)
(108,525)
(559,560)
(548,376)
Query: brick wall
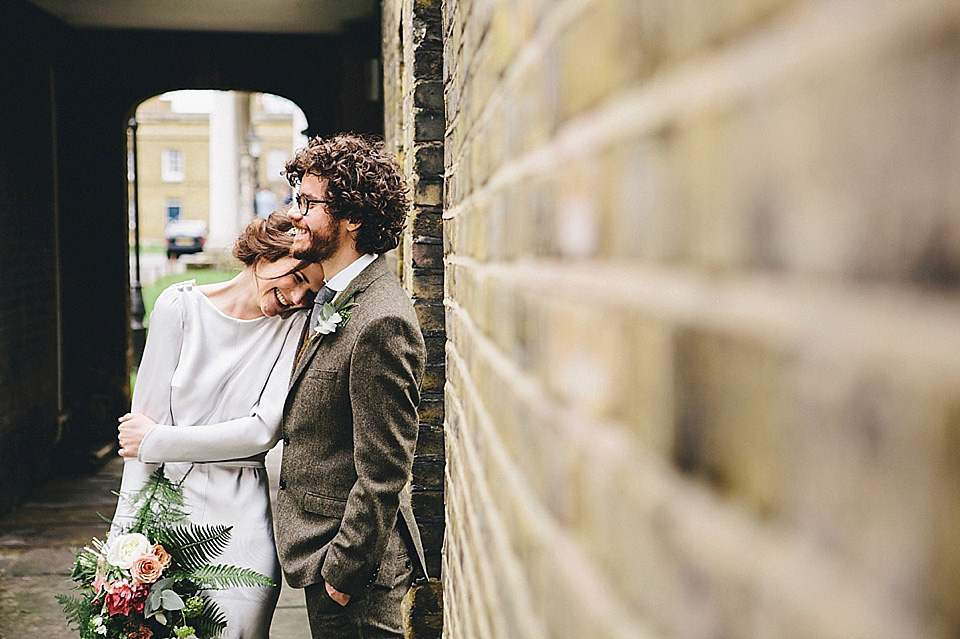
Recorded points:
(29,371)
(414,128)
(703,307)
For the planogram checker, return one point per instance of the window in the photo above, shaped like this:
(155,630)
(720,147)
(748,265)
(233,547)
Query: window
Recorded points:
(173,206)
(171,166)
(276,160)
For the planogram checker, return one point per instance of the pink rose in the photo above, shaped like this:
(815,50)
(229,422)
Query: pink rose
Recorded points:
(160,553)
(146,569)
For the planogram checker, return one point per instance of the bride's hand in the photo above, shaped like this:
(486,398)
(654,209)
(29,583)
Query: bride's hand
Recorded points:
(133,428)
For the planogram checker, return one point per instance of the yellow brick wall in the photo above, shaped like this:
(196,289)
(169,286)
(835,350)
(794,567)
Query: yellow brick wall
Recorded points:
(189,134)
(702,290)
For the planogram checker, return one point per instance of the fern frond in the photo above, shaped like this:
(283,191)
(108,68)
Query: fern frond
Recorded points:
(78,610)
(158,503)
(85,566)
(191,546)
(210,622)
(221,576)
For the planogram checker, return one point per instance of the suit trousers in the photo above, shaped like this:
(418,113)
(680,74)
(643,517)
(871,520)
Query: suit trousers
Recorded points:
(372,614)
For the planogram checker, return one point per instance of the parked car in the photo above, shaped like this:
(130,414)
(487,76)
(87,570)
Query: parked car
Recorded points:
(185,236)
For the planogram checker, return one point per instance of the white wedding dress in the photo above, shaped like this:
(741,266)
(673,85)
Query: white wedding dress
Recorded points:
(216,385)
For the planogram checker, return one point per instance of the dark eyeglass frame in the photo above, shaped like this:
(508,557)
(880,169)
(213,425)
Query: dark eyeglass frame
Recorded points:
(304,203)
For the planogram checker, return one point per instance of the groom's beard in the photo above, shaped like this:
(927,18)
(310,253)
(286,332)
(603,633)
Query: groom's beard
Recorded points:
(323,245)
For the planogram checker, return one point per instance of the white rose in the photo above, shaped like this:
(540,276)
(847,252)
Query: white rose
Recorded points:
(126,548)
(329,325)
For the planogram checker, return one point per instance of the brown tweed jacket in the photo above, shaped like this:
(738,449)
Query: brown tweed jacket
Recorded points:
(350,428)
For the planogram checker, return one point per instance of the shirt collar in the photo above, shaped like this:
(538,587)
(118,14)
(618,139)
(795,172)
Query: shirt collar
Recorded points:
(340,281)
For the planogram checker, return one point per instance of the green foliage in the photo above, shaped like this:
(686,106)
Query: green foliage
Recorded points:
(191,546)
(210,622)
(160,504)
(85,566)
(78,611)
(221,576)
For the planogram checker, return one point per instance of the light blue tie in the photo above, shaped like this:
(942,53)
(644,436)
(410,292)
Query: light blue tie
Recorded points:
(325,295)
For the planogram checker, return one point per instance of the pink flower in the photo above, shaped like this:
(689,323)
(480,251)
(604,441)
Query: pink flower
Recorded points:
(119,597)
(146,569)
(140,592)
(98,584)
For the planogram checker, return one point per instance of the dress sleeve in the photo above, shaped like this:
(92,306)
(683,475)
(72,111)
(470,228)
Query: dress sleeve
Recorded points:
(236,438)
(161,354)
(151,393)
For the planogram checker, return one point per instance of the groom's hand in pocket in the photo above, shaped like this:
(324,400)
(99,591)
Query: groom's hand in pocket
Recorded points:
(133,428)
(341,598)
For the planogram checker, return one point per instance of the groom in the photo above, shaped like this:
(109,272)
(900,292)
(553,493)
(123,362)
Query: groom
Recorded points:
(345,527)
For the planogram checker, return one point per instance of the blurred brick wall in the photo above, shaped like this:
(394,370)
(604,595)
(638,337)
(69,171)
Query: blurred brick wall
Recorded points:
(413,125)
(703,311)
(29,367)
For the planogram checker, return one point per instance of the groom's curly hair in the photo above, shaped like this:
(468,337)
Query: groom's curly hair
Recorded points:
(364,184)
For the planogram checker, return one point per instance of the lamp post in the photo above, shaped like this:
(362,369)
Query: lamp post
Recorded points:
(137,310)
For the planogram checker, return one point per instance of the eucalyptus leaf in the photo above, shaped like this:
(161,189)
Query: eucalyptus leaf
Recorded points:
(171,600)
(156,591)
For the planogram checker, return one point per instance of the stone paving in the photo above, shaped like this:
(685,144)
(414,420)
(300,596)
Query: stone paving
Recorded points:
(36,555)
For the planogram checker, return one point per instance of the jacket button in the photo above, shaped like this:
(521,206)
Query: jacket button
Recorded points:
(283,484)
(286,440)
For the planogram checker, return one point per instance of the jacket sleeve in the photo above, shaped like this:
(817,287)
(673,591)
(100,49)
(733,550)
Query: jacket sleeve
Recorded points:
(236,438)
(386,369)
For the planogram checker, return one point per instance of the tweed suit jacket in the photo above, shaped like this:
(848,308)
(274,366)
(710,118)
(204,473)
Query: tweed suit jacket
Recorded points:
(350,428)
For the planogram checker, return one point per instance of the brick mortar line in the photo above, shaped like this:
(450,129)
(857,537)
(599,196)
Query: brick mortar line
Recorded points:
(514,575)
(467,520)
(551,25)
(738,71)
(607,434)
(606,603)
(917,334)
(736,535)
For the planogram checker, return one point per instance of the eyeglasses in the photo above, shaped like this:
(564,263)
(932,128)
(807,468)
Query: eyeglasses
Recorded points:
(304,203)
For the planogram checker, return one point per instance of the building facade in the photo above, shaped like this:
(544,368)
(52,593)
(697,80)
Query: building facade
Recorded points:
(175,149)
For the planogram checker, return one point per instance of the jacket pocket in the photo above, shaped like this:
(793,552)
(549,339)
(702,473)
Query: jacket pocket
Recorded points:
(322,505)
(320,375)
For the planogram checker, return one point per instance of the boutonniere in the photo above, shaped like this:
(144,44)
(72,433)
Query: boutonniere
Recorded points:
(332,315)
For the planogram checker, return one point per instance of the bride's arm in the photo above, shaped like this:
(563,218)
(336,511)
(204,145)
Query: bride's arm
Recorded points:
(151,394)
(234,439)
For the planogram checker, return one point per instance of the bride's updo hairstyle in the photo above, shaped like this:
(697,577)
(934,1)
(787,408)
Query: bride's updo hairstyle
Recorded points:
(266,239)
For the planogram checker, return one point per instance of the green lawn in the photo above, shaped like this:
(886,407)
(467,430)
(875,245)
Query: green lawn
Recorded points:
(151,292)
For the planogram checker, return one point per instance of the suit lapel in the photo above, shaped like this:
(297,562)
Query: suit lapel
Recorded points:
(374,271)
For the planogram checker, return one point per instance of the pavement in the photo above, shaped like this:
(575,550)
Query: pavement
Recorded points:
(37,542)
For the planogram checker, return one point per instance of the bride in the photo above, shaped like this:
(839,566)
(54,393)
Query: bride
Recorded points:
(208,401)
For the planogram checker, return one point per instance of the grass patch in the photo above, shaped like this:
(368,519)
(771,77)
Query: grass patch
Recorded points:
(152,291)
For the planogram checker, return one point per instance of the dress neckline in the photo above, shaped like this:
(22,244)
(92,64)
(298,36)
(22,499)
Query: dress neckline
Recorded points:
(221,313)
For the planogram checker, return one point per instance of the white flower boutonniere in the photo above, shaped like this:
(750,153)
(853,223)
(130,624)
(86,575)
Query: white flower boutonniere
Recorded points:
(331,317)
(328,321)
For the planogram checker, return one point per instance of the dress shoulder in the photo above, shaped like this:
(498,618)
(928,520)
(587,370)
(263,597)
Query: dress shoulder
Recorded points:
(168,303)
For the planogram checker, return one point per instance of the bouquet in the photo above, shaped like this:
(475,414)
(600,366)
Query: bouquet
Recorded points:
(150,581)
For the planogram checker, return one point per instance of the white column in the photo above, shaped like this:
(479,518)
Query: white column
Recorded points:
(227,130)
